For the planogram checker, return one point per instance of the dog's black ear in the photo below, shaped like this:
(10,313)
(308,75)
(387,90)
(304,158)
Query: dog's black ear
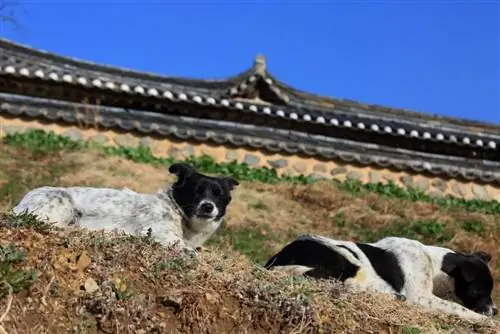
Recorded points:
(459,264)
(230,183)
(486,257)
(453,262)
(181,170)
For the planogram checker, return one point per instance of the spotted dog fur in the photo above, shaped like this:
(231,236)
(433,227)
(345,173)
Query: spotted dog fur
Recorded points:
(187,213)
(433,277)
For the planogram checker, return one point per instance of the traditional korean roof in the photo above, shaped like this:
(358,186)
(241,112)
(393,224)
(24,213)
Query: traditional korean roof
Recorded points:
(252,108)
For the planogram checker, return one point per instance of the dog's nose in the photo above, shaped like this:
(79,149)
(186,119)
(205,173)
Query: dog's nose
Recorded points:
(495,311)
(207,207)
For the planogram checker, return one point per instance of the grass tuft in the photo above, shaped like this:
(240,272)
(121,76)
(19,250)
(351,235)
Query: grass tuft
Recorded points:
(24,220)
(11,277)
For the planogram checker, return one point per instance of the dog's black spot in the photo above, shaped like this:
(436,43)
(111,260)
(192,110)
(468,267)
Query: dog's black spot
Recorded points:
(472,279)
(327,263)
(77,215)
(191,188)
(386,265)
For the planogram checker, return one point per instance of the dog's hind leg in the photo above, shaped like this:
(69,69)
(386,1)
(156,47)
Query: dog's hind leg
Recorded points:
(52,205)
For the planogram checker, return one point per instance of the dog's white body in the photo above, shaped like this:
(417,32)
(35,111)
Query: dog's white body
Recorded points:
(425,283)
(119,209)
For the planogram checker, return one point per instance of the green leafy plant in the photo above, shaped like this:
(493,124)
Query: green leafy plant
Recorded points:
(472,226)
(121,289)
(258,206)
(39,141)
(339,219)
(391,190)
(411,330)
(11,278)
(430,231)
(24,220)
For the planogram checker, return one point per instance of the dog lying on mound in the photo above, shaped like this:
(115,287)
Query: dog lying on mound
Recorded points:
(433,277)
(187,213)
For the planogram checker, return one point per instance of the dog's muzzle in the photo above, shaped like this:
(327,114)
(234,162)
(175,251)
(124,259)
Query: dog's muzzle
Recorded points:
(206,209)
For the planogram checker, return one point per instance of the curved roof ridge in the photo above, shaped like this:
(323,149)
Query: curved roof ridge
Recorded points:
(118,70)
(231,86)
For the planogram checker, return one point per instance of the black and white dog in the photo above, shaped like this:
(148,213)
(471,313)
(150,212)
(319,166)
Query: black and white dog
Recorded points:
(433,277)
(187,213)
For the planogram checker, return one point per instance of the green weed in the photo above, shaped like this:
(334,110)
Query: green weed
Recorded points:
(472,226)
(411,330)
(11,278)
(428,231)
(24,220)
(259,206)
(339,220)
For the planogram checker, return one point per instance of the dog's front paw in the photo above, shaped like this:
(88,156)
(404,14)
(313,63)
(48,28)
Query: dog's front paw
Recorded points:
(188,253)
(201,249)
(400,297)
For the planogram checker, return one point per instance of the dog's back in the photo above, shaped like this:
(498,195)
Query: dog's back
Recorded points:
(97,208)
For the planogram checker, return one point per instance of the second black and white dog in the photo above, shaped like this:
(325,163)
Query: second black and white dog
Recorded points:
(433,277)
(187,213)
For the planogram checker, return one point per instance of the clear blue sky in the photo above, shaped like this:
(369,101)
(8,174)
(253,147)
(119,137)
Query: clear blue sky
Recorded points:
(437,56)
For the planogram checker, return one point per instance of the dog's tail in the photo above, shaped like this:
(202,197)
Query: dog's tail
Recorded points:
(292,270)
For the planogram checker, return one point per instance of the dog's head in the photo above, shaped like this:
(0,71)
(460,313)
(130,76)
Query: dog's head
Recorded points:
(202,198)
(473,280)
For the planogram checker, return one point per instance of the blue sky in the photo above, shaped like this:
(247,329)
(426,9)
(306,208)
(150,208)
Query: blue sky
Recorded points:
(434,56)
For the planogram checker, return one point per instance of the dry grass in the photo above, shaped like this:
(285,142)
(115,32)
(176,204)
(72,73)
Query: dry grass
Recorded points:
(226,293)
(142,288)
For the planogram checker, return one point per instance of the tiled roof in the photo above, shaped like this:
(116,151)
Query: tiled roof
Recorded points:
(19,60)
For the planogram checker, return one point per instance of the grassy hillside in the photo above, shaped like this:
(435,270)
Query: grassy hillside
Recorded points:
(142,287)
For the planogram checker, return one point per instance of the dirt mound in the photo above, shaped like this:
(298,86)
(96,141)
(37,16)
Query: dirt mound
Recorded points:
(74,281)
